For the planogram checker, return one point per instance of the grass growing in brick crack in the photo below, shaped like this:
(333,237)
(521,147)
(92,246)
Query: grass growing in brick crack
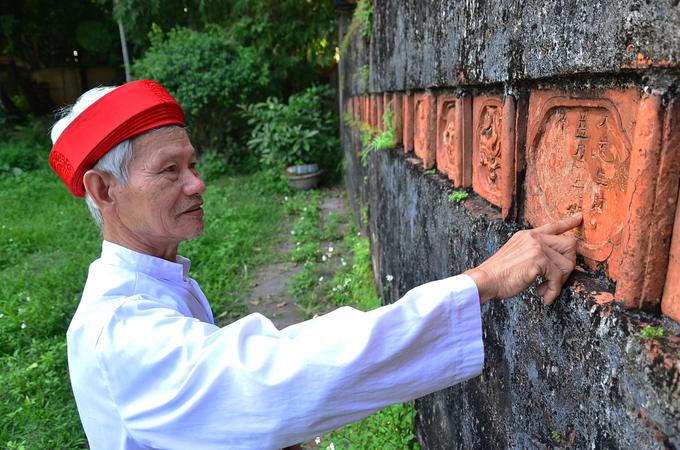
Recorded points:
(650,332)
(374,139)
(458,196)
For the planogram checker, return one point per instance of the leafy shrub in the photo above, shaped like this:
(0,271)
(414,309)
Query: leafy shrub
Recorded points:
(300,132)
(208,75)
(24,148)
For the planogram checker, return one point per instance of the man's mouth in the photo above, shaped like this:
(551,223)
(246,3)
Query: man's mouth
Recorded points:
(194,209)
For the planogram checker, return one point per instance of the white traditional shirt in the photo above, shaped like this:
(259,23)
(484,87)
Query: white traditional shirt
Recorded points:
(150,370)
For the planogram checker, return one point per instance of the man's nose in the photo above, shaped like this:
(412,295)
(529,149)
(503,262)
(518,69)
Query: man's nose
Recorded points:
(193,183)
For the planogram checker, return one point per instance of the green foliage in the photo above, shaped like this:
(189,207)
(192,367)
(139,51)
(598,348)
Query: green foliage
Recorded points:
(296,40)
(300,132)
(24,148)
(458,196)
(208,75)
(389,429)
(362,21)
(649,332)
(385,139)
(365,73)
(556,436)
(430,172)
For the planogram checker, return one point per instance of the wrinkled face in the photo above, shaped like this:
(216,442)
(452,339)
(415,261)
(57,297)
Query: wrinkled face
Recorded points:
(161,206)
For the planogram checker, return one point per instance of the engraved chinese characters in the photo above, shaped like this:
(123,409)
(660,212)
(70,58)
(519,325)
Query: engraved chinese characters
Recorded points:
(578,161)
(584,149)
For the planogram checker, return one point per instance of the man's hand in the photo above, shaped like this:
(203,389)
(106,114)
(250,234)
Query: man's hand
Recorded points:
(529,253)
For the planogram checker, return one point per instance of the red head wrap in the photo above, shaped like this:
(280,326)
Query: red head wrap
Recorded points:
(120,114)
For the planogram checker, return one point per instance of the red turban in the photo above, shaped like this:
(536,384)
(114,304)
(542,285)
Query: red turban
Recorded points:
(120,114)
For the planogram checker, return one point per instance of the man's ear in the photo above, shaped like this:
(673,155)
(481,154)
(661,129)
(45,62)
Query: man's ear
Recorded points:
(99,185)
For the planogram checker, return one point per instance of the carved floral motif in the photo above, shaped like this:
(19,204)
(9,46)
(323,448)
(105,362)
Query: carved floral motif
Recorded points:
(489,131)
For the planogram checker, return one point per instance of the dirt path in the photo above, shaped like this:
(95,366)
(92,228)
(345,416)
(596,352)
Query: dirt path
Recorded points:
(269,295)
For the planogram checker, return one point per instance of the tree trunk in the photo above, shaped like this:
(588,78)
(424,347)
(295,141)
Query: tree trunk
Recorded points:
(123,44)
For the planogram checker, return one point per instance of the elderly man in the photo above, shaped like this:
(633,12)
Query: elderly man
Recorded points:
(149,368)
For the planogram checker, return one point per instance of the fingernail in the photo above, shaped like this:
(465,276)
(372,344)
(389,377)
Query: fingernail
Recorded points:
(578,215)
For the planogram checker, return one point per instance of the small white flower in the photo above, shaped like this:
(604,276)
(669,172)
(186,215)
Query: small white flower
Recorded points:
(331,447)
(302,217)
(23,325)
(297,243)
(11,240)
(330,249)
(320,278)
(389,278)
(285,198)
(333,289)
(28,299)
(317,440)
(339,287)
(21,310)
(359,233)
(304,209)
(324,258)
(354,266)
(292,231)
(1,316)
(3,227)
(344,263)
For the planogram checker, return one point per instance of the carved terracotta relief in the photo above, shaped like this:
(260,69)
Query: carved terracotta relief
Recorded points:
(493,150)
(424,129)
(408,122)
(598,153)
(454,150)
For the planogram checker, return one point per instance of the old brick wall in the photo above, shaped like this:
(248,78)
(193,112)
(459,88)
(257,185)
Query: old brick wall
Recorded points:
(537,110)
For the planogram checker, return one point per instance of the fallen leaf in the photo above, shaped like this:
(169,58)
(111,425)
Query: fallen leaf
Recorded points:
(257,249)
(255,284)
(254,302)
(280,305)
(223,314)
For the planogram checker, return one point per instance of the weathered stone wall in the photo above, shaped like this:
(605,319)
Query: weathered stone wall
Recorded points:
(580,99)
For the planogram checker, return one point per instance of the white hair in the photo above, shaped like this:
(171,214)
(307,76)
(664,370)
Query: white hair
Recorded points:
(116,161)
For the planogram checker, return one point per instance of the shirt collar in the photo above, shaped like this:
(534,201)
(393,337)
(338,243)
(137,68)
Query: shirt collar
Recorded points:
(123,257)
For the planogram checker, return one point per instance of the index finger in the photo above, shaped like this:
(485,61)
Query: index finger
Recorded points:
(561,226)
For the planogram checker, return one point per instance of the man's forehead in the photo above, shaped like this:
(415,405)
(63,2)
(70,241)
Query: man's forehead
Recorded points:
(162,144)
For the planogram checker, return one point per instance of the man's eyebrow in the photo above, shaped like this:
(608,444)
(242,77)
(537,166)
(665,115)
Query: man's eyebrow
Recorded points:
(164,155)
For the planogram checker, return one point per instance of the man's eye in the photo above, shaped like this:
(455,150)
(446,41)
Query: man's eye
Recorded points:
(192,165)
(170,168)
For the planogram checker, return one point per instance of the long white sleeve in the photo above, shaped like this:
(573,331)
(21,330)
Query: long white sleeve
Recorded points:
(177,382)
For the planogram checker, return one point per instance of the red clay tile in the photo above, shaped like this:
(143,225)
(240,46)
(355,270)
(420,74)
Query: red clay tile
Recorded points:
(454,138)
(670,168)
(397,107)
(425,128)
(379,100)
(493,150)
(408,122)
(373,101)
(600,152)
